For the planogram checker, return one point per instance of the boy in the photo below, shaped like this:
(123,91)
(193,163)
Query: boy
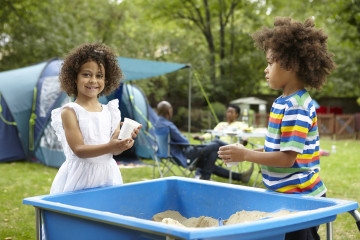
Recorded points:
(297,57)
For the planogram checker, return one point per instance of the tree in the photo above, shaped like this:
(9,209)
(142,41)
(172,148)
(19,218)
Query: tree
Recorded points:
(340,20)
(212,36)
(224,27)
(34,31)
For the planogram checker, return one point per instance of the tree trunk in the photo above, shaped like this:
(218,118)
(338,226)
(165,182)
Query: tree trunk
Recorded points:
(210,41)
(222,39)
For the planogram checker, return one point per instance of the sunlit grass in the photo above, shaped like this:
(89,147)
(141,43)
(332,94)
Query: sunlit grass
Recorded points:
(18,180)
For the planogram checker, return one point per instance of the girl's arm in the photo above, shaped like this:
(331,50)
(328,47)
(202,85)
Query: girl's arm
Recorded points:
(76,140)
(232,153)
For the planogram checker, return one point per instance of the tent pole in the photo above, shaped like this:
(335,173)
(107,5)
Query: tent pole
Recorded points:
(189,104)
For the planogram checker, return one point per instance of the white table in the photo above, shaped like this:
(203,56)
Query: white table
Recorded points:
(257,132)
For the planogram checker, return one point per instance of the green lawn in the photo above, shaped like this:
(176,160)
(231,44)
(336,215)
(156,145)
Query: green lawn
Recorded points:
(18,180)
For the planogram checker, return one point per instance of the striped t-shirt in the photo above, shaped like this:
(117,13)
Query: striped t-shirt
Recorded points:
(293,127)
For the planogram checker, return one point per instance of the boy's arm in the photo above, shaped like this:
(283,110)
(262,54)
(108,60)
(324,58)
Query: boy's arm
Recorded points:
(231,153)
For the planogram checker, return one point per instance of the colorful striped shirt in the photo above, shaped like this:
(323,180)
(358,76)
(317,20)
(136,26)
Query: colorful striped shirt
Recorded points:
(293,127)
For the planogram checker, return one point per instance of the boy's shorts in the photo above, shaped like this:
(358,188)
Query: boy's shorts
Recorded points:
(304,234)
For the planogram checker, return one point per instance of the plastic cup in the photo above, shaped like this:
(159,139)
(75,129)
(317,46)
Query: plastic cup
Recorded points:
(231,164)
(127,128)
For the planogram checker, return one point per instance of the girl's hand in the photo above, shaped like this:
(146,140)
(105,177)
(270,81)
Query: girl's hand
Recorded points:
(119,145)
(136,131)
(124,145)
(232,153)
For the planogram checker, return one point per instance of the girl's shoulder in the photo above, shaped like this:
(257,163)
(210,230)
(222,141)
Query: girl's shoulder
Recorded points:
(56,121)
(113,108)
(56,113)
(113,105)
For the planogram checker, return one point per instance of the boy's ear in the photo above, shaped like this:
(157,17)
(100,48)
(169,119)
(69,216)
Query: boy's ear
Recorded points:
(289,68)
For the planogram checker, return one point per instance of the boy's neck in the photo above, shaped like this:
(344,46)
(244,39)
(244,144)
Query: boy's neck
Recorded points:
(292,88)
(230,121)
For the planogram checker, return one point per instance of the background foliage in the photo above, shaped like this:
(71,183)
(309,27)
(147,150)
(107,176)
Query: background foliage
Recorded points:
(212,36)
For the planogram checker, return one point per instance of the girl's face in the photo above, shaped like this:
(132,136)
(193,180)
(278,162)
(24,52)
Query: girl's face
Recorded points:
(90,80)
(276,76)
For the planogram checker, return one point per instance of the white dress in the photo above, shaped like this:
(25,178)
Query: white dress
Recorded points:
(97,128)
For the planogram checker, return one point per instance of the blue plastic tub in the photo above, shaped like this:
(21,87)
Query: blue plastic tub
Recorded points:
(125,212)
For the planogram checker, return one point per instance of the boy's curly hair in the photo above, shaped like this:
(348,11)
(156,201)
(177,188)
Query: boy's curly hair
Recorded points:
(98,53)
(300,47)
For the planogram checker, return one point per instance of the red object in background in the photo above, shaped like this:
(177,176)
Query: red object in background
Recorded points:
(323,152)
(324,110)
(336,110)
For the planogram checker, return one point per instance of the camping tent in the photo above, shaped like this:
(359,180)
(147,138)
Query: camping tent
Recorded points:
(27,96)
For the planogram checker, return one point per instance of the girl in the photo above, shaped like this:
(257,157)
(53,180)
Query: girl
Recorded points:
(87,129)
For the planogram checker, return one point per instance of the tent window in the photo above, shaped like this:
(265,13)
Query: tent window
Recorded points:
(49,139)
(49,93)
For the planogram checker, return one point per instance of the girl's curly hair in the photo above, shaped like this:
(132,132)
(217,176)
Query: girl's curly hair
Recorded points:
(98,53)
(300,47)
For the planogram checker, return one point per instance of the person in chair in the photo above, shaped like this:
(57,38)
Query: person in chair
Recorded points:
(231,125)
(207,153)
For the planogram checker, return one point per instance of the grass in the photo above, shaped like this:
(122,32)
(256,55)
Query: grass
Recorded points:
(19,180)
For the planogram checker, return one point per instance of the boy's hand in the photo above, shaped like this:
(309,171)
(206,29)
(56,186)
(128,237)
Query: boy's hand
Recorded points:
(232,153)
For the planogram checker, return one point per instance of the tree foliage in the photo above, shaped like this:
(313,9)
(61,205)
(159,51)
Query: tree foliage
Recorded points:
(212,36)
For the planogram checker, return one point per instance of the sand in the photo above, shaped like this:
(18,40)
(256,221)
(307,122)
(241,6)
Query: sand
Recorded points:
(175,218)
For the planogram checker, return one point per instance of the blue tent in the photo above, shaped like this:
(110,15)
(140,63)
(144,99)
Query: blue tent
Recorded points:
(27,96)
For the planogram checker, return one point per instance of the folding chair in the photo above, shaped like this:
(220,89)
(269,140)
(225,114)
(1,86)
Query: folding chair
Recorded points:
(168,162)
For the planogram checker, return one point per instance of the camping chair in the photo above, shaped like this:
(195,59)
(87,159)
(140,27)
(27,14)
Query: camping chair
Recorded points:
(169,163)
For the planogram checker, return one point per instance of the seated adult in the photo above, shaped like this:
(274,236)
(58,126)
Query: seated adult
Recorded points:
(207,153)
(230,125)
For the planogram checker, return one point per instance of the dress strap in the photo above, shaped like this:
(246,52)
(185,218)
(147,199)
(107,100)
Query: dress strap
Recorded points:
(115,113)
(56,121)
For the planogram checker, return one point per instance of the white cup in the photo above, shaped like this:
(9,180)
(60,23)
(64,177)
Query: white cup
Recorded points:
(231,164)
(127,128)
